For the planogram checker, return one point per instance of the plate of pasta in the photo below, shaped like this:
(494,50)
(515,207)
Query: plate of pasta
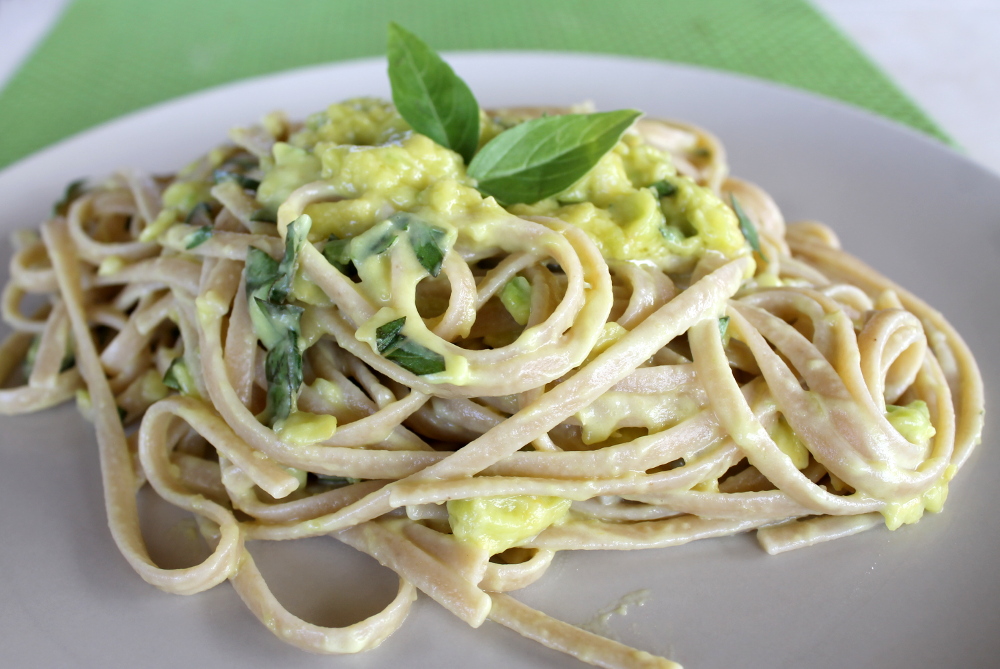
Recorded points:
(547,381)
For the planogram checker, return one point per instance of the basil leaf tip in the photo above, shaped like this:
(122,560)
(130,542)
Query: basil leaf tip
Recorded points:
(405,352)
(430,96)
(544,156)
(747,227)
(426,240)
(198,237)
(277,323)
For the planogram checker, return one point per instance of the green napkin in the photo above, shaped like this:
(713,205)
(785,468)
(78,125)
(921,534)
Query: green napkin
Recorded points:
(108,57)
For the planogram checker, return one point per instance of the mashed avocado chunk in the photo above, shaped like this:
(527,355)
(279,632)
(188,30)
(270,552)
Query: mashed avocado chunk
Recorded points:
(633,203)
(912,420)
(498,523)
(618,205)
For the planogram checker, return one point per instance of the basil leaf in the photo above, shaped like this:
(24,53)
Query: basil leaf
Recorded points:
(294,237)
(383,244)
(430,96)
(723,326)
(264,215)
(198,237)
(337,253)
(405,352)
(283,369)
(336,481)
(245,182)
(387,335)
(261,270)
(664,188)
(416,358)
(747,227)
(543,156)
(73,190)
(425,239)
(274,323)
(278,327)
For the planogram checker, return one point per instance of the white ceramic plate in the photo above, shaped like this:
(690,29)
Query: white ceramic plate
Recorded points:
(925,595)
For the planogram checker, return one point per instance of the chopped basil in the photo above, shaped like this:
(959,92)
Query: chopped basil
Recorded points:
(425,239)
(516,297)
(430,96)
(384,243)
(264,215)
(335,481)
(416,358)
(405,352)
(200,213)
(543,156)
(242,180)
(723,326)
(338,253)
(277,324)
(261,269)
(178,377)
(28,364)
(283,369)
(294,237)
(198,237)
(674,464)
(387,335)
(664,188)
(747,227)
(73,191)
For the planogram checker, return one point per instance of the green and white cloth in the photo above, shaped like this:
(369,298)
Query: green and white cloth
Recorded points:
(105,58)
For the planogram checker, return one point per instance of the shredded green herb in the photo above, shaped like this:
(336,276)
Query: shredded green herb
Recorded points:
(664,188)
(245,182)
(73,191)
(198,237)
(747,228)
(405,352)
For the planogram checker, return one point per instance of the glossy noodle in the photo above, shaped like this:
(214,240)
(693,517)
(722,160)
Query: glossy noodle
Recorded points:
(323,328)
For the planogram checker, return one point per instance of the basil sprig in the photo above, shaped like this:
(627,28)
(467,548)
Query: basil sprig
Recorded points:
(405,352)
(747,227)
(526,163)
(543,156)
(430,96)
(278,325)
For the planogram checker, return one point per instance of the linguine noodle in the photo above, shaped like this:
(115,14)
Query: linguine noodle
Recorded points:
(789,390)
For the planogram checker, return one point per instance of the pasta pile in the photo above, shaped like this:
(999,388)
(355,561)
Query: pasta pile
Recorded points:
(280,385)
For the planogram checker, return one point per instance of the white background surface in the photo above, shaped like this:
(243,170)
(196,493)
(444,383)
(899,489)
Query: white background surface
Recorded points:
(944,53)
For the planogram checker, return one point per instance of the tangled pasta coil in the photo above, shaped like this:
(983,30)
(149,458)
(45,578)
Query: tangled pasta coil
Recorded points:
(791,390)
